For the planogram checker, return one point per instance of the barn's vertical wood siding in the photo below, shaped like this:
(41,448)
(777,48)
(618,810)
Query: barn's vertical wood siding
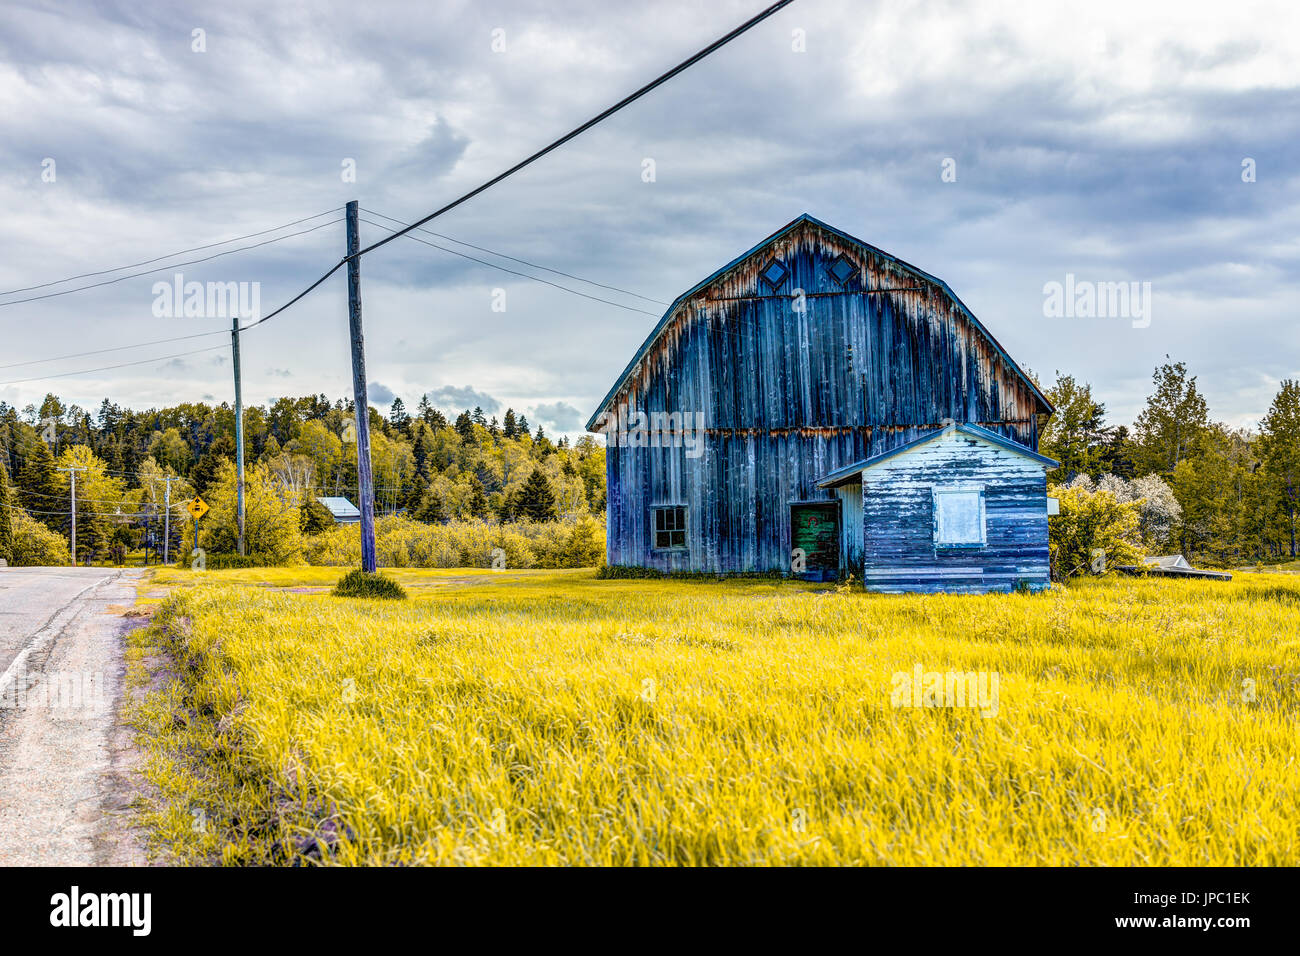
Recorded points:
(899,552)
(790,396)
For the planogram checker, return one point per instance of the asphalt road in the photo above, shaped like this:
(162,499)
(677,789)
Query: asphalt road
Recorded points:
(65,759)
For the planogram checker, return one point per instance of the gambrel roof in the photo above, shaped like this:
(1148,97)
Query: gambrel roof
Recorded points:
(672,313)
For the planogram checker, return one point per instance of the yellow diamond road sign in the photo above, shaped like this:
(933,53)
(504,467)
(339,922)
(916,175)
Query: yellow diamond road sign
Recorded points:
(196,507)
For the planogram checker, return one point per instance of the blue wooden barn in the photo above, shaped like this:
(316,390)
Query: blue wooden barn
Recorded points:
(818,407)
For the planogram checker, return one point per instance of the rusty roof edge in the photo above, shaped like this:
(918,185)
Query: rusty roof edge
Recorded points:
(808,218)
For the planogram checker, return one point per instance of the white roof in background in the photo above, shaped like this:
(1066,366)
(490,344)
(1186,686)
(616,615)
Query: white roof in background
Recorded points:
(1167,561)
(340,507)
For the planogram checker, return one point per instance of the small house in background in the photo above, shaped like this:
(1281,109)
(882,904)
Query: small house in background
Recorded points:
(341,510)
(818,407)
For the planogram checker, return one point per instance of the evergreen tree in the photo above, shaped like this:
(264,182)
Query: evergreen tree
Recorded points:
(430,415)
(522,427)
(509,428)
(38,486)
(1280,447)
(205,472)
(313,517)
(420,451)
(465,428)
(536,499)
(1075,434)
(7,504)
(1116,456)
(478,507)
(432,509)
(397,416)
(414,495)
(92,530)
(1174,420)
(507,509)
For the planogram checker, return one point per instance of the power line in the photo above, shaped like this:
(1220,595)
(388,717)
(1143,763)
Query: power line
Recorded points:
(406,230)
(173,255)
(534,265)
(115,348)
(577,131)
(109,368)
(493,265)
(99,501)
(174,265)
(64,514)
(268,317)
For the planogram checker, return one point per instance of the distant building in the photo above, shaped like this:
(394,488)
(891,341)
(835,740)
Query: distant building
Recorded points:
(1176,566)
(341,510)
(818,407)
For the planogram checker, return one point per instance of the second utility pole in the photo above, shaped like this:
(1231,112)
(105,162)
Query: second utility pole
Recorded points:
(239,431)
(365,482)
(72,475)
(167,515)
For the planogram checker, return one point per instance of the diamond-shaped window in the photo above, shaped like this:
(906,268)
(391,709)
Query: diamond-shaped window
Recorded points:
(842,269)
(774,273)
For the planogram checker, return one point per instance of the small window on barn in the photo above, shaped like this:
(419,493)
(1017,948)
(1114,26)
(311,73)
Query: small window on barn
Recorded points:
(959,518)
(842,269)
(669,527)
(774,274)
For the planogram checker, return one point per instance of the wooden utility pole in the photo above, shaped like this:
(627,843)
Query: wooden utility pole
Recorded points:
(365,481)
(167,514)
(72,475)
(239,431)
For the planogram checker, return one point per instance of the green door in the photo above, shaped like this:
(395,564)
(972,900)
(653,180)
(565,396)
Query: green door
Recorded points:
(815,530)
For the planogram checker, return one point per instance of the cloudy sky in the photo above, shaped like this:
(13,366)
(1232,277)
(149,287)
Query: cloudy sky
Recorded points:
(1102,140)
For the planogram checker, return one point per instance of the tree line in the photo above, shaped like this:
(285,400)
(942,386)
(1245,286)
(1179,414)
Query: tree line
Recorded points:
(426,466)
(1235,491)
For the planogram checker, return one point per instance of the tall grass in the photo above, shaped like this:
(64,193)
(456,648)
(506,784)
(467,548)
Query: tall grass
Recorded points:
(552,718)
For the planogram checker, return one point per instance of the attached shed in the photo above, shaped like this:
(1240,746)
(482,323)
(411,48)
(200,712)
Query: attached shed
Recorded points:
(958,509)
(810,352)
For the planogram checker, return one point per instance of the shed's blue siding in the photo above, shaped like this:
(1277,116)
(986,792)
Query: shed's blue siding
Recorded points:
(789,396)
(899,552)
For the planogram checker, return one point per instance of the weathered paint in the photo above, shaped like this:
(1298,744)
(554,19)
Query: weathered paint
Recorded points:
(850,496)
(815,536)
(795,382)
(898,526)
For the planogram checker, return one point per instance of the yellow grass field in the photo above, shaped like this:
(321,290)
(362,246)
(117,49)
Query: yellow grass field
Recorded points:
(548,717)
